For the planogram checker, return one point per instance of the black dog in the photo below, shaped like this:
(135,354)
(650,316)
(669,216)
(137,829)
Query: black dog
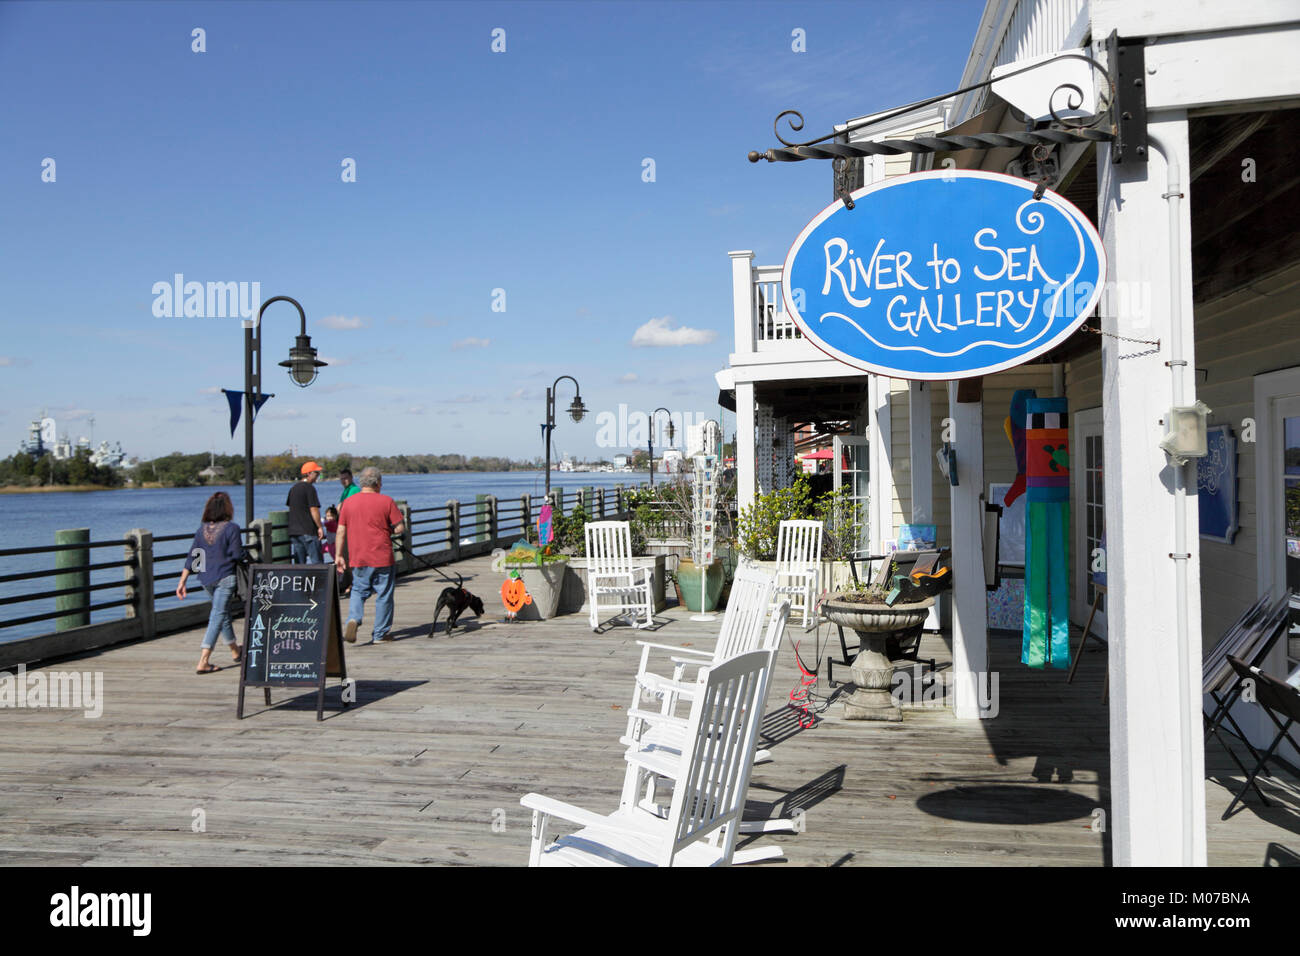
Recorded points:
(456,599)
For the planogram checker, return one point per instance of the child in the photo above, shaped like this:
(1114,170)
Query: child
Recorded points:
(331,530)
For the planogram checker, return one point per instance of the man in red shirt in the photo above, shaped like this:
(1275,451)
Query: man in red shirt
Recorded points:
(367,522)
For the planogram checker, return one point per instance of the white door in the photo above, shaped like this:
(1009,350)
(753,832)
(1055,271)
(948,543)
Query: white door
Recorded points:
(1087,503)
(853,471)
(1277,489)
(1287,566)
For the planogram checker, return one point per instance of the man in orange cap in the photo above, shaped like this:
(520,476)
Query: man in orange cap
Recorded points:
(305,529)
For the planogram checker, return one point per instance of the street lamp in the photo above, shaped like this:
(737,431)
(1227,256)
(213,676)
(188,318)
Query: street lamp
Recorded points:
(651,442)
(577,411)
(302,365)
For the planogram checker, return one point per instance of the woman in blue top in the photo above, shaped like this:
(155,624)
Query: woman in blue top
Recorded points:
(217,547)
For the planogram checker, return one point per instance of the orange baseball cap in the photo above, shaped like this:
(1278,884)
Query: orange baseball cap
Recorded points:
(309,466)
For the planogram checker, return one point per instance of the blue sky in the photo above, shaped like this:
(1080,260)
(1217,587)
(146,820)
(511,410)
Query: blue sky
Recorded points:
(475,171)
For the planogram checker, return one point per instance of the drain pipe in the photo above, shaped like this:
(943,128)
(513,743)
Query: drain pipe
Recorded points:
(1177,365)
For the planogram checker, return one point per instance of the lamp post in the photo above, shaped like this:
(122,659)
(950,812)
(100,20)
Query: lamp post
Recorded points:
(577,411)
(651,442)
(302,365)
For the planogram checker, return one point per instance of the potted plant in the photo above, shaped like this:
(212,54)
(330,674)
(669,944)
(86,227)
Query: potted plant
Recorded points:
(542,571)
(878,625)
(841,516)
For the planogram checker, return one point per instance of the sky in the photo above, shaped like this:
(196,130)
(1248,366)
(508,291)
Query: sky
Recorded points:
(461,225)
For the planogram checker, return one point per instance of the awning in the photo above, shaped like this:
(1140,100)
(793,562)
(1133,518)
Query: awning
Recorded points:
(822,454)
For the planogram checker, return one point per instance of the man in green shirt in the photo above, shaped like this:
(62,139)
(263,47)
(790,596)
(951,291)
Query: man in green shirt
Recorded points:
(349,489)
(349,486)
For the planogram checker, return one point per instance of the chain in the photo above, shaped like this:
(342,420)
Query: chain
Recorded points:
(1122,338)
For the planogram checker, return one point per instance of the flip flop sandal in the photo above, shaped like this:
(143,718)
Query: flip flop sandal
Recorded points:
(210,669)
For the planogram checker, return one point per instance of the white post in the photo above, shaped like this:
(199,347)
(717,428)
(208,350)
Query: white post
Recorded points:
(881,477)
(1157,754)
(922,452)
(970,644)
(745,471)
(742,298)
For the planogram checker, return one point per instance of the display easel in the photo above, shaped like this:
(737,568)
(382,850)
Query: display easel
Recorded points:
(1099,590)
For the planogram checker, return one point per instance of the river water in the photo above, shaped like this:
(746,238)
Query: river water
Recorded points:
(30,520)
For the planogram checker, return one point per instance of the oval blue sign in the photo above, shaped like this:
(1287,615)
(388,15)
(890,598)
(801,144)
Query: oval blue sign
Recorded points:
(945,274)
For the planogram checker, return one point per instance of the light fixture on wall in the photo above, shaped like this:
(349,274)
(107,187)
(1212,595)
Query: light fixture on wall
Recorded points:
(1186,432)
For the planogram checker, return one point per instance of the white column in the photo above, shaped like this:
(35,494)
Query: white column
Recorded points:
(744,444)
(970,645)
(1157,754)
(922,453)
(881,479)
(742,299)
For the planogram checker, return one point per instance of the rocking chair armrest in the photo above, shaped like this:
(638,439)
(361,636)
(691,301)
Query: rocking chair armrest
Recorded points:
(654,716)
(548,806)
(673,649)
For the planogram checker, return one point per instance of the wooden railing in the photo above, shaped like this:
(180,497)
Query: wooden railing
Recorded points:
(149,564)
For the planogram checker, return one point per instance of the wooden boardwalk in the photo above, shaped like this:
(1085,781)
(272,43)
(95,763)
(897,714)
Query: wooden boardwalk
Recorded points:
(448,733)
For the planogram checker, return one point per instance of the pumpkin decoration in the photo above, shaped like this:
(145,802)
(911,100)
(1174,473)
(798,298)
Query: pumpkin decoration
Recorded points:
(514,595)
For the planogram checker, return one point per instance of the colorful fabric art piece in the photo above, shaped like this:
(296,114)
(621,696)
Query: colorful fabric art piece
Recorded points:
(1015,429)
(1046,640)
(544,530)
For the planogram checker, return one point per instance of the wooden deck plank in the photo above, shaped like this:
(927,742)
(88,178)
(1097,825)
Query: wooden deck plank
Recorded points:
(448,733)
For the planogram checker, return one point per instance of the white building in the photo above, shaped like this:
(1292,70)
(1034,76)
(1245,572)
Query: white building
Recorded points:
(1202,236)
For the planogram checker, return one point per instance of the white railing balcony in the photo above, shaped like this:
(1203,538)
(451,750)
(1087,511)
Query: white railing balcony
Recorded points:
(764,331)
(771,321)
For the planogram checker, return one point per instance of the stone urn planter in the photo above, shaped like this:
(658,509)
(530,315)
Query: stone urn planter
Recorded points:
(872,670)
(544,582)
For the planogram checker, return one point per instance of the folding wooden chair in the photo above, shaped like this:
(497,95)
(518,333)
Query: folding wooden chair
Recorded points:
(1276,697)
(1250,638)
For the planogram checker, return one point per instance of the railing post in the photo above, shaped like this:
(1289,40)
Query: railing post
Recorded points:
(453,527)
(281,551)
(600,500)
(742,298)
(139,580)
(557,493)
(526,514)
(73,558)
(481,518)
(618,501)
(405,562)
(262,532)
(582,499)
(494,526)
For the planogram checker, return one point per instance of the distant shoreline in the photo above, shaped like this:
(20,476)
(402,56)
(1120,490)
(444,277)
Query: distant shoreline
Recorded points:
(153,485)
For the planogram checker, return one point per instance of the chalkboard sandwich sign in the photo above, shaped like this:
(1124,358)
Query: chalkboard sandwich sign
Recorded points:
(292,634)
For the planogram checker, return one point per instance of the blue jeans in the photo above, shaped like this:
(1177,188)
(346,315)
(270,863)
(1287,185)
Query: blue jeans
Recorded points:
(377,581)
(219,619)
(306,549)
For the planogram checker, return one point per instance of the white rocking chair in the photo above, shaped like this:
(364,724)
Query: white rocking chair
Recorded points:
(610,573)
(798,567)
(713,778)
(662,735)
(742,631)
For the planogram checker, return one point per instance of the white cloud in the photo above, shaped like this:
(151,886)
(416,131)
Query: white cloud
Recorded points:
(331,362)
(210,390)
(470,343)
(663,332)
(8,361)
(628,377)
(343,322)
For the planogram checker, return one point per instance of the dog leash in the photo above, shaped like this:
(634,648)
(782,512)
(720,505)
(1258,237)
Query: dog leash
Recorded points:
(424,562)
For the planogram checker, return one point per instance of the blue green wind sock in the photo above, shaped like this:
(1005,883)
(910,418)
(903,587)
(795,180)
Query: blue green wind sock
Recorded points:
(1047,534)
